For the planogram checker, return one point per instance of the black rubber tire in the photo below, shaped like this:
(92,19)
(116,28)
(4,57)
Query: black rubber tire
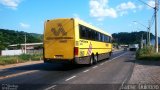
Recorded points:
(95,59)
(91,60)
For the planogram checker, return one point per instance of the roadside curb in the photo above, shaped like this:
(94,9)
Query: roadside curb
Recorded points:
(145,72)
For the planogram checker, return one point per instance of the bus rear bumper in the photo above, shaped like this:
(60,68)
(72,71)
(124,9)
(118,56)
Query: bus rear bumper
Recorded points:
(76,60)
(67,61)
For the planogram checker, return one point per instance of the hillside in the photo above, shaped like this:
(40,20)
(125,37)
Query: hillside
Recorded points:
(129,38)
(8,37)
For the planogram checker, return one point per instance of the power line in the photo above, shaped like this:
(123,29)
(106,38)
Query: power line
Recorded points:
(146,3)
(158,5)
(152,20)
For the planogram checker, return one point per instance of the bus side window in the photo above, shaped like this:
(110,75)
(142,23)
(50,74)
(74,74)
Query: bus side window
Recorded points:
(99,37)
(83,32)
(110,40)
(89,34)
(93,34)
(96,36)
(105,38)
(102,36)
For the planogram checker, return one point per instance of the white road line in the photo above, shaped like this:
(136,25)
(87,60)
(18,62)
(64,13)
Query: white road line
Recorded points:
(117,57)
(112,59)
(86,70)
(70,78)
(52,87)
(95,67)
(123,83)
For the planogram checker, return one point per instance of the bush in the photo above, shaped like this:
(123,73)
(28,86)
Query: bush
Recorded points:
(19,59)
(8,60)
(25,57)
(147,53)
(36,57)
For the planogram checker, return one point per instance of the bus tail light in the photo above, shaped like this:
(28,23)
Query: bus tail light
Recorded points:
(76,51)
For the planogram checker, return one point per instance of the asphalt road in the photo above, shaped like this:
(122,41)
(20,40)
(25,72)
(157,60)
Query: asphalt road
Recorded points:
(108,74)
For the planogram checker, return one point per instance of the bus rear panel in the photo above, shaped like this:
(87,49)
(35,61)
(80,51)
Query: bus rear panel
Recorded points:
(59,40)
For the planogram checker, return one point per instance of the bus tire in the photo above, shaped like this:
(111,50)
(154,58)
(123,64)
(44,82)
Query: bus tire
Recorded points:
(91,60)
(109,55)
(95,59)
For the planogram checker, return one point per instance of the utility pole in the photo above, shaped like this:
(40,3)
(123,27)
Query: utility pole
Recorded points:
(142,41)
(149,35)
(156,21)
(25,44)
(156,25)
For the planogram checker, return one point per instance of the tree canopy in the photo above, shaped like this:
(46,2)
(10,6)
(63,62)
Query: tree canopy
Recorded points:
(9,37)
(130,38)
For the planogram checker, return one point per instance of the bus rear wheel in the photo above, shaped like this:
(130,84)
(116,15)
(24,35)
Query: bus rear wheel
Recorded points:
(95,59)
(91,60)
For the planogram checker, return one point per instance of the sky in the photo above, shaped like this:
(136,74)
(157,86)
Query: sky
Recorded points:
(112,16)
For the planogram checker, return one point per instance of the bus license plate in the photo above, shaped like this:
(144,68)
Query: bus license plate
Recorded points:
(58,56)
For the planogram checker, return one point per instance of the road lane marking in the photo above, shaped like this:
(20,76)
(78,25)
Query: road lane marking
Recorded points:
(17,74)
(124,82)
(127,78)
(121,87)
(70,78)
(117,57)
(112,59)
(52,87)
(95,67)
(86,71)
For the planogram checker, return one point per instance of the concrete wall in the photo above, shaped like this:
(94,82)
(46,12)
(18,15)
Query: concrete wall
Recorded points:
(11,52)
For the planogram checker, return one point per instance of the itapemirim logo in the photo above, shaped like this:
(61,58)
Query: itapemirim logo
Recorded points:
(59,31)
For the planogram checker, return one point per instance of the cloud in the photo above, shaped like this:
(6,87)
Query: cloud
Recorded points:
(126,6)
(13,4)
(123,8)
(151,3)
(122,13)
(100,9)
(140,7)
(24,25)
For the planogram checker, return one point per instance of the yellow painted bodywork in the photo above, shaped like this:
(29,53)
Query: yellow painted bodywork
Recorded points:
(61,45)
(83,44)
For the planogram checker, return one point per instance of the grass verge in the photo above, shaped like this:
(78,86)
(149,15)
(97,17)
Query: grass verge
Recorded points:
(147,53)
(4,60)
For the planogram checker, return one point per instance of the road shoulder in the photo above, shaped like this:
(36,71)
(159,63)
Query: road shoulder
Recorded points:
(20,64)
(145,72)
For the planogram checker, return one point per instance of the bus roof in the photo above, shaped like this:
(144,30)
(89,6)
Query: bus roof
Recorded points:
(85,24)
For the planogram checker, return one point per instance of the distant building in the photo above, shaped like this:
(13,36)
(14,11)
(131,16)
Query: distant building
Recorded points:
(29,46)
(17,49)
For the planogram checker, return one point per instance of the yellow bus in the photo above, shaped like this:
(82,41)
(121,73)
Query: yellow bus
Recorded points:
(76,41)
